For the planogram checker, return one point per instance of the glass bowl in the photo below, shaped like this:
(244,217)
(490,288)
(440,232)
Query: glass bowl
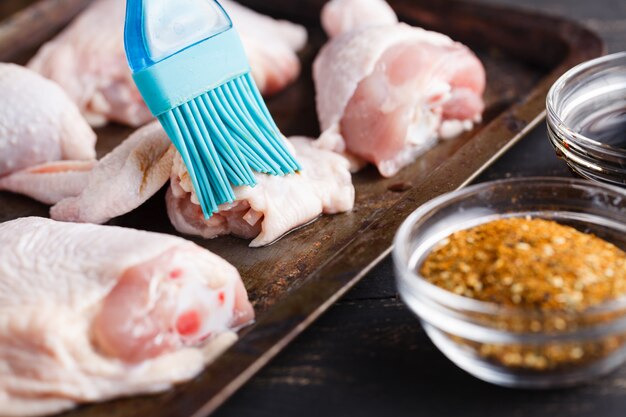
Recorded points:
(586,117)
(516,347)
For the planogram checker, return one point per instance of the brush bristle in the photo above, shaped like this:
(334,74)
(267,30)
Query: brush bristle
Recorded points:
(224,135)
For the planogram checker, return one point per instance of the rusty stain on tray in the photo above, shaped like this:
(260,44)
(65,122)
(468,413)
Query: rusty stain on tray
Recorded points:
(294,280)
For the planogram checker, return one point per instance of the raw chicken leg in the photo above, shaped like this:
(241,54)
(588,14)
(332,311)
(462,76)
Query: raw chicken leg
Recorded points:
(87,59)
(38,122)
(89,313)
(386,93)
(272,208)
(342,16)
(123,180)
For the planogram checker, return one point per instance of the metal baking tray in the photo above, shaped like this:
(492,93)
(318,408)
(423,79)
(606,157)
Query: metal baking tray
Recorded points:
(292,282)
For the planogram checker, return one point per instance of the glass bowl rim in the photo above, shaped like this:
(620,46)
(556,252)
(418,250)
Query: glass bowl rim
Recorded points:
(446,298)
(555,119)
(578,158)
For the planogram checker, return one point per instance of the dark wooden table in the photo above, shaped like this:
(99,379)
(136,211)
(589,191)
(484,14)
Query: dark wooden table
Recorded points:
(368,355)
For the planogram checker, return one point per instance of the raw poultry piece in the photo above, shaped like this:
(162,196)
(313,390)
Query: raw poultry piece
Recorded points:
(50,182)
(135,170)
(341,16)
(89,313)
(275,206)
(122,180)
(386,93)
(38,122)
(87,59)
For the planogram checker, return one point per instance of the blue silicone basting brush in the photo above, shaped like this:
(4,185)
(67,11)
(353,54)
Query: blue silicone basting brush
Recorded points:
(190,67)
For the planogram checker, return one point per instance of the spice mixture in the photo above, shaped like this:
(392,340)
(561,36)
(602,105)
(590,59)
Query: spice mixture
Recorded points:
(555,272)
(528,263)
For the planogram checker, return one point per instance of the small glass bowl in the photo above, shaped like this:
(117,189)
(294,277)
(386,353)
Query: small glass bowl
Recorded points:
(516,347)
(586,116)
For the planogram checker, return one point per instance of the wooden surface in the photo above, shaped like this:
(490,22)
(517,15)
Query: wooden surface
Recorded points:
(369,356)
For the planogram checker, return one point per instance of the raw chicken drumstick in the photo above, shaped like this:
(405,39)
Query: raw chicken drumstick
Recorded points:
(38,122)
(387,92)
(87,59)
(89,313)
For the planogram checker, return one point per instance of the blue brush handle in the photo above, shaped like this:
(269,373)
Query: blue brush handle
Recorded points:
(158,29)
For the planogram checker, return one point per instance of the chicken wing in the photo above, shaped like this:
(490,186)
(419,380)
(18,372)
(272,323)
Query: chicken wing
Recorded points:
(122,180)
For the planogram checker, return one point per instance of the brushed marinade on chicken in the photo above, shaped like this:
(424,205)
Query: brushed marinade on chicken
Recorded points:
(123,180)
